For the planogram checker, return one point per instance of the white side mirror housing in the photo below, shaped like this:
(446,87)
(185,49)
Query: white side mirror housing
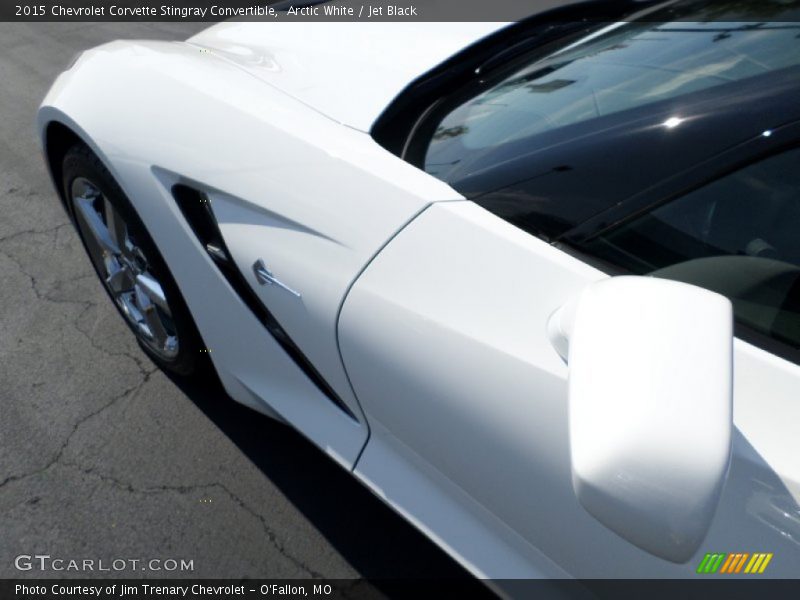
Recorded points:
(650,407)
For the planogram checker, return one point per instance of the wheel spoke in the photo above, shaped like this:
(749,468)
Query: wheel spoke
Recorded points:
(94,226)
(158,334)
(156,327)
(119,281)
(115,226)
(153,290)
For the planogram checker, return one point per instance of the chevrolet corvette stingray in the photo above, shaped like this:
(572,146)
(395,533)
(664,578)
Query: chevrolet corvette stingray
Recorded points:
(535,284)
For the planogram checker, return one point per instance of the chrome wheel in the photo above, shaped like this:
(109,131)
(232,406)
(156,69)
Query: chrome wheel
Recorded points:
(124,268)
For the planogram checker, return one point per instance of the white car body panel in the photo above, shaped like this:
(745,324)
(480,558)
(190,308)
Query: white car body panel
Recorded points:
(321,230)
(468,531)
(321,65)
(486,408)
(433,308)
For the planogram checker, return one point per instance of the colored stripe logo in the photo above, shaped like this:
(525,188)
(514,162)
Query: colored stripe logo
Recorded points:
(734,562)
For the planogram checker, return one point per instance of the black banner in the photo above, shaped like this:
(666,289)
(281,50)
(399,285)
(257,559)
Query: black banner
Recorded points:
(338,589)
(378,10)
(308,10)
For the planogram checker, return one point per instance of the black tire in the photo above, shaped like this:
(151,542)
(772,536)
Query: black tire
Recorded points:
(81,162)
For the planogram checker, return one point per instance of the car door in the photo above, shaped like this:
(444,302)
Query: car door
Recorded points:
(444,336)
(446,346)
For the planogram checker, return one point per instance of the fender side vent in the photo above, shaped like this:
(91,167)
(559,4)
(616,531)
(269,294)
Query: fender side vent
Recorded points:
(198,213)
(197,210)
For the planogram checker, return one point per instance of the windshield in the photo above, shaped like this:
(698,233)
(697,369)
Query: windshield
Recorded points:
(628,66)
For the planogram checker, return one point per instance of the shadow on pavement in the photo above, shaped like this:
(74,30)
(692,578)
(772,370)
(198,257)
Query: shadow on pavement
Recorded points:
(377,542)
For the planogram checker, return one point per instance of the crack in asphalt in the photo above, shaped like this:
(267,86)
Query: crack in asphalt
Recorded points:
(271,536)
(57,458)
(140,364)
(18,234)
(34,284)
(86,304)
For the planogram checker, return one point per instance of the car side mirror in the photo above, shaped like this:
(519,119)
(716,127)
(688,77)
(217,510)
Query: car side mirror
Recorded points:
(650,407)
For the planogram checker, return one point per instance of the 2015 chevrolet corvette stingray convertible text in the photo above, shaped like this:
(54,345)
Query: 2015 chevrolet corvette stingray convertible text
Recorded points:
(500,272)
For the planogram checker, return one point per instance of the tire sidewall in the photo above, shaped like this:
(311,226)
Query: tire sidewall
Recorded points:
(79,161)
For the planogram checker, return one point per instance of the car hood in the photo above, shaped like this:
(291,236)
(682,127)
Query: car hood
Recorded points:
(347,71)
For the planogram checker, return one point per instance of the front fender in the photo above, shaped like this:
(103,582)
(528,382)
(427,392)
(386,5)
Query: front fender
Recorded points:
(315,199)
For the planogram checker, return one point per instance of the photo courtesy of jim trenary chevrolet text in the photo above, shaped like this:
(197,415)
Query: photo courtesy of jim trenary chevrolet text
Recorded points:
(123,590)
(364,299)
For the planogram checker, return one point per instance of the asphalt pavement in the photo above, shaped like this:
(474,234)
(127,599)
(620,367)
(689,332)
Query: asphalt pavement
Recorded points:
(104,457)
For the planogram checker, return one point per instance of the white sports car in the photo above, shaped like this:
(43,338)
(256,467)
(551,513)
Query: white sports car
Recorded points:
(499,272)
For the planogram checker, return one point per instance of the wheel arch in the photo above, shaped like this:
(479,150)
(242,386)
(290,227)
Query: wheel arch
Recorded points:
(58,132)
(57,139)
